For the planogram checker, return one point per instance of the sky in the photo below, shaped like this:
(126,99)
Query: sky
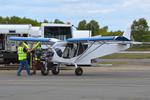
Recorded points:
(116,14)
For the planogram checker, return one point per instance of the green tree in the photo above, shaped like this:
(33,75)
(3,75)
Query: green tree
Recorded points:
(140,30)
(13,20)
(45,21)
(18,20)
(115,33)
(94,27)
(57,21)
(103,31)
(96,30)
(30,21)
(82,25)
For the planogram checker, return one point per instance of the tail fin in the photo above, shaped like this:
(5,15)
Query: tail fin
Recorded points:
(127,33)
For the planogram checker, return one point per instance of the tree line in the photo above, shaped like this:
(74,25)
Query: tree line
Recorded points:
(140,29)
(18,20)
(24,20)
(94,26)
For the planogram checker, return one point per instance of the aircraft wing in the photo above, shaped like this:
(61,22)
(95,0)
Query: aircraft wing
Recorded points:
(33,39)
(107,40)
(103,38)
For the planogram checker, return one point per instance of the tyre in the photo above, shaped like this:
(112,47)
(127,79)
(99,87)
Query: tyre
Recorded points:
(44,70)
(78,71)
(55,70)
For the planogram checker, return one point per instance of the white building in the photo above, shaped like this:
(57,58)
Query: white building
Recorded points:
(35,32)
(7,30)
(81,33)
(14,28)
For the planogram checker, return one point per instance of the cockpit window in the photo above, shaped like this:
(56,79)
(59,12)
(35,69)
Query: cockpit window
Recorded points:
(74,49)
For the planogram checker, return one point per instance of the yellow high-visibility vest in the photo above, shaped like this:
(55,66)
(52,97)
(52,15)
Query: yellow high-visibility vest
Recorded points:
(21,54)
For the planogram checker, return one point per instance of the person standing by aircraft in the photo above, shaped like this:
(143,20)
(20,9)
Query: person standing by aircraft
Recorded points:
(25,44)
(36,50)
(23,49)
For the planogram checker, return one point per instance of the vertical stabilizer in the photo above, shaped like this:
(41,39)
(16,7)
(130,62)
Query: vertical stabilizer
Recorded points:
(127,33)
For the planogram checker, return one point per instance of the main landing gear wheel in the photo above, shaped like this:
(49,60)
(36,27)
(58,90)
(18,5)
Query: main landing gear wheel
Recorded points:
(78,71)
(55,70)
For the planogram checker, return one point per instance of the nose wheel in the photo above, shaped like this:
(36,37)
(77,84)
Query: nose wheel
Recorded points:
(55,70)
(78,71)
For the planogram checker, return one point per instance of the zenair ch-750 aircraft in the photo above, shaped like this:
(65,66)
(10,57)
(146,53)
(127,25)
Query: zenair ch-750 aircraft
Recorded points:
(80,51)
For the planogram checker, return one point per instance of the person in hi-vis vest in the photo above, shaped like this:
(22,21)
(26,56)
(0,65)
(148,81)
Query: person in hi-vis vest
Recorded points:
(22,57)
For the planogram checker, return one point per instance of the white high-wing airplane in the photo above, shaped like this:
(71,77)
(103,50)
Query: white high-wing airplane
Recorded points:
(80,51)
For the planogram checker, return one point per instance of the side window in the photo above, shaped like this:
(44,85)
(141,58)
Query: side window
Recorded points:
(74,49)
(81,48)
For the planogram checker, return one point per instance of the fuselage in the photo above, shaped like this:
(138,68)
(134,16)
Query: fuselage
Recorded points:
(83,53)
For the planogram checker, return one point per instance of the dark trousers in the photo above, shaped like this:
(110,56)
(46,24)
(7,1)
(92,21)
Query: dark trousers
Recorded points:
(21,65)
